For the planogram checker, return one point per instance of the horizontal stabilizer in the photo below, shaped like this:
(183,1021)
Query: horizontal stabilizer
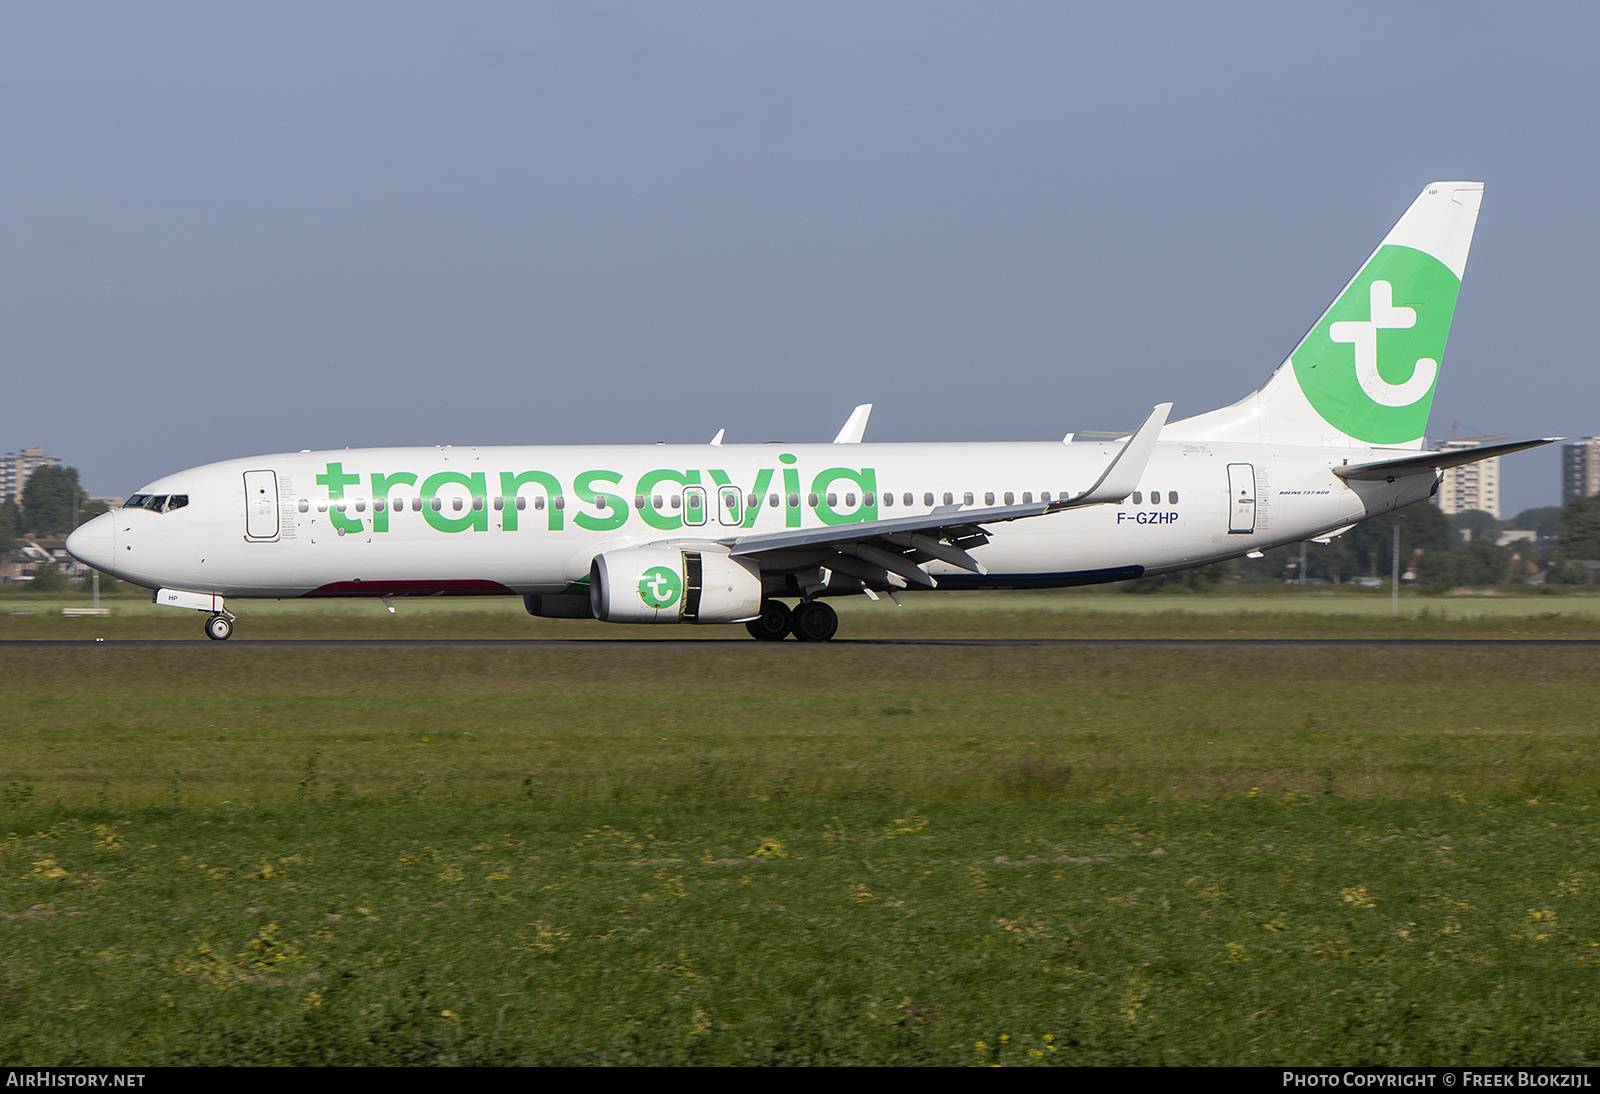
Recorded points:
(1389,470)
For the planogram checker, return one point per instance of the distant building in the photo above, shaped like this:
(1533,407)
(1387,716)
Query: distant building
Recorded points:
(15,467)
(1580,469)
(1472,485)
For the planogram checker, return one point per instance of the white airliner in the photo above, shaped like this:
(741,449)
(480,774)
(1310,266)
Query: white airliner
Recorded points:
(721,533)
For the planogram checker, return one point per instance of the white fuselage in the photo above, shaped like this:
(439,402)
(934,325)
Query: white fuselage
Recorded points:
(529,520)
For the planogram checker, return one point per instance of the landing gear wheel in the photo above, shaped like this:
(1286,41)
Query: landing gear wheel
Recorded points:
(814,621)
(218,628)
(772,625)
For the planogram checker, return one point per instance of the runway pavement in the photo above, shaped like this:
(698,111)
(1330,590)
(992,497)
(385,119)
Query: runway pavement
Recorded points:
(691,643)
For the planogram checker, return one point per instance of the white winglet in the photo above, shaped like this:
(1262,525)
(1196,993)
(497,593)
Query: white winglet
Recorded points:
(1122,474)
(717,440)
(855,427)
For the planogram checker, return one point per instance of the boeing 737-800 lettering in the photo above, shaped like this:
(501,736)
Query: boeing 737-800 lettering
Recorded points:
(727,533)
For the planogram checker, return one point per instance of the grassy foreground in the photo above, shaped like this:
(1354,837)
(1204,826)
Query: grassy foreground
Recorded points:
(1240,931)
(734,721)
(724,852)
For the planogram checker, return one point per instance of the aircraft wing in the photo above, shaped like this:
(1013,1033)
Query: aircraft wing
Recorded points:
(871,550)
(1389,470)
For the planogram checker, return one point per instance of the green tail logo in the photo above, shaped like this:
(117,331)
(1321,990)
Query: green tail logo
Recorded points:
(1370,366)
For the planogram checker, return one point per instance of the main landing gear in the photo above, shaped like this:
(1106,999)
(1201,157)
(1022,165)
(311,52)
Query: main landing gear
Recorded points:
(810,621)
(219,627)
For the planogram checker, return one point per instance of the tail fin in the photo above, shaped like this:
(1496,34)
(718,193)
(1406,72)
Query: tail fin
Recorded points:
(1365,374)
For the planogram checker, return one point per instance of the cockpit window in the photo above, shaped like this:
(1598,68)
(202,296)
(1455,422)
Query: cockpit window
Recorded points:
(157,503)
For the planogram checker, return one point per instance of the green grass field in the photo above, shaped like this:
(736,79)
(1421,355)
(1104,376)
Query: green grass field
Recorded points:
(743,853)
(1233,931)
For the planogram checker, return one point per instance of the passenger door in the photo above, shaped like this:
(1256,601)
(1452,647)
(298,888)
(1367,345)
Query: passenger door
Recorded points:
(260,505)
(1241,498)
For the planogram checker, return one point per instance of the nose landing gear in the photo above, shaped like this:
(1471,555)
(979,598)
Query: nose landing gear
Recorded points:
(219,627)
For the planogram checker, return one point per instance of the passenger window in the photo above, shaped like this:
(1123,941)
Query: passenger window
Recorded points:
(322,507)
(398,504)
(338,507)
(1172,497)
(833,500)
(638,501)
(304,506)
(849,501)
(927,499)
(949,498)
(1138,498)
(601,502)
(811,500)
(988,497)
(1045,496)
(499,503)
(361,505)
(694,501)
(457,504)
(772,501)
(477,505)
(677,501)
(794,501)
(966,499)
(752,501)
(866,500)
(1027,497)
(559,502)
(1011,499)
(522,502)
(1155,497)
(538,503)
(436,504)
(888,500)
(377,505)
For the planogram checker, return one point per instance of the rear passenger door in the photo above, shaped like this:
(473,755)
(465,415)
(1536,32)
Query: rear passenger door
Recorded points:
(1241,498)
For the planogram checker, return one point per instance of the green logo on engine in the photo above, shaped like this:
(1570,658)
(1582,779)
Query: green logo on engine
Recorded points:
(1371,365)
(660,587)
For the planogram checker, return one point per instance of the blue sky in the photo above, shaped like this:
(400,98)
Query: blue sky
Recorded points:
(235,229)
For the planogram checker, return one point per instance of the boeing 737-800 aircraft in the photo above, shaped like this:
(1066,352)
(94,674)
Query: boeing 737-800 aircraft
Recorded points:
(726,533)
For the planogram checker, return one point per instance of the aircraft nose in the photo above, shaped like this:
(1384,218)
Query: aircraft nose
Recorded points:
(94,543)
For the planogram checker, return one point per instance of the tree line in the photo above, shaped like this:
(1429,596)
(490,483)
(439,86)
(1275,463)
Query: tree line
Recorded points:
(46,509)
(1432,549)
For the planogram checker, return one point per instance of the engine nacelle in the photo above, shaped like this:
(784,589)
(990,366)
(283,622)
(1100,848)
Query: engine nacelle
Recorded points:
(670,585)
